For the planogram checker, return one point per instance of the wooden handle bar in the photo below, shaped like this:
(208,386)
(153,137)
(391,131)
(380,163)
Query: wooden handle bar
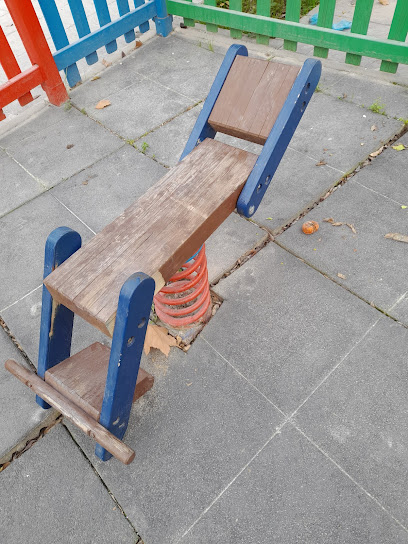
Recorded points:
(81,419)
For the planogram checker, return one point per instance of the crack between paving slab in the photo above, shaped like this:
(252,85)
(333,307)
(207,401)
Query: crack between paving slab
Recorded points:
(244,377)
(38,180)
(348,289)
(4,326)
(112,496)
(217,498)
(278,431)
(74,214)
(30,439)
(378,193)
(127,140)
(20,299)
(367,493)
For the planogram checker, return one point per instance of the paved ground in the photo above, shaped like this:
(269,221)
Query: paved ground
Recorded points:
(286,420)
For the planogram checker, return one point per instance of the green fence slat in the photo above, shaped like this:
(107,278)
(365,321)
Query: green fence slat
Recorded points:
(235,5)
(361,20)
(210,27)
(187,20)
(263,7)
(325,19)
(398,31)
(292,14)
(391,50)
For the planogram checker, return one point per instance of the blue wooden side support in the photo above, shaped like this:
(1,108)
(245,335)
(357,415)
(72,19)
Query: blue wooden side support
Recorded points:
(132,317)
(163,20)
(202,129)
(56,319)
(279,137)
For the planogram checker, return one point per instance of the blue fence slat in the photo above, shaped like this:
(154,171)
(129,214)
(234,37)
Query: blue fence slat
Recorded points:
(59,37)
(145,26)
(82,25)
(104,18)
(123,7)
(100,37)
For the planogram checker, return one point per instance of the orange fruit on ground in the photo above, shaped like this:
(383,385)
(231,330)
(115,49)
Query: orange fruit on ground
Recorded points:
(309,227)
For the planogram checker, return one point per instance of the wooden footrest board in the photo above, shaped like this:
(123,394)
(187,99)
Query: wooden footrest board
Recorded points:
(82,378)
(155,235)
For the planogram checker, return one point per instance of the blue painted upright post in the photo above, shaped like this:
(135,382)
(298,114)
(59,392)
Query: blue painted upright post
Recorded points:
(163,20)
(202,129)
(56,319)
(132,318)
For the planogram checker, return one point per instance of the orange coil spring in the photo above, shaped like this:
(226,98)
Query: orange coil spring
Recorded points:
(186,297)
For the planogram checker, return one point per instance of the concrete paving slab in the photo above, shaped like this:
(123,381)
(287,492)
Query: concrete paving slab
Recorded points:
(333,130)
(51,494)
(235,237)
(20,416)
(278,318)
(61,149)
(386,174)
(367,92)
(17,186)
(24,318)
(358,416)
(179,65)
(192,433)
(23,234)
(296,186)
(100,193)
(167,143)
(374,267)
(128,116)
(278,499)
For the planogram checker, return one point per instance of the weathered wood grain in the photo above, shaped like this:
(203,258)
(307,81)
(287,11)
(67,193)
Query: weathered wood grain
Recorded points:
(252,97)
(156,234)
(82,378)
(72,412)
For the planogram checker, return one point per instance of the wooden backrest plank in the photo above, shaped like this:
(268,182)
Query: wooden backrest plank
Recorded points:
(156,234)
(233,93)
(280,97)
(251,98)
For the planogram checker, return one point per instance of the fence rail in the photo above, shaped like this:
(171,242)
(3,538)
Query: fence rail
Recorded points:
(43,70)
(356,44)
(68,54)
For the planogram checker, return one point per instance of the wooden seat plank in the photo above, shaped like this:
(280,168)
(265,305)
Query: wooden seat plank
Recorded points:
(251,98)
(156,234)
(82,378)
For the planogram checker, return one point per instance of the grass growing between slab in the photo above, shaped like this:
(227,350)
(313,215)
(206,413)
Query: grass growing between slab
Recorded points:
(278,7)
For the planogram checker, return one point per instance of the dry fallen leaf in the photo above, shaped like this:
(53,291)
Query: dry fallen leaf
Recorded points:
(138,44)
(339,224)
(375,153)
(159,338)
(95,78)
(397,236)
(342,276)
(321,163)
(373,127)
(106,63)
(70,146)
(102,104)
(384,2)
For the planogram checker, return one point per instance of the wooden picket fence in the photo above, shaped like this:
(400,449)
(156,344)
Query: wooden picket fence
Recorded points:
(43,70)
(355,44)
(69,53)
